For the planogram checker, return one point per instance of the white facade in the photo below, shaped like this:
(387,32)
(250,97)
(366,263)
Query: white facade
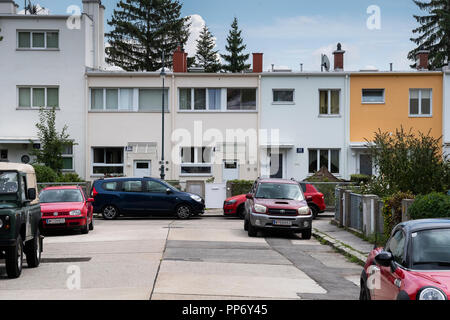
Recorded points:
(303,129)
(43,63)
(446,111)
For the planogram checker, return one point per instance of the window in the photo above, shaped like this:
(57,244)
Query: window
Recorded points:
(67,157)
(396,246)
(151,100)
(38,39)
(200,99)
(328,158)
(420,102)
(329,102)
(38,97)
(281,96)
(3,154)
(107,161)
(110,186)
(196,160)
(132,186)
(241,99)
(372,96)
(156,187)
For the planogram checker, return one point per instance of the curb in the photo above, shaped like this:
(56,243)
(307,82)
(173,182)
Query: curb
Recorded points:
(341,247)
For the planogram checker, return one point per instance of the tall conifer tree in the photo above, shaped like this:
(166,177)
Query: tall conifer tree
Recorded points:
(206,56)
(235,60)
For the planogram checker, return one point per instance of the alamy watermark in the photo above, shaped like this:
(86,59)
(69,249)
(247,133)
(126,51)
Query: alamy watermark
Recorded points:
(374,20)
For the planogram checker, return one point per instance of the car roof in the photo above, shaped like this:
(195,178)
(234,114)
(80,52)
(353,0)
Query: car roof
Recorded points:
(62,187)
(21,167)
(425,224)
(271,180)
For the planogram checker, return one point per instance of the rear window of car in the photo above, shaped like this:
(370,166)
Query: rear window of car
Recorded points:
(110,186)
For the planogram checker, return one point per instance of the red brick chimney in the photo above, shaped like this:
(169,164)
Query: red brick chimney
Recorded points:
(422,59)
(339,58)
(179,60)
(257,62)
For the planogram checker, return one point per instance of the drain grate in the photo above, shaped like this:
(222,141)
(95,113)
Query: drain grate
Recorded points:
(65,260)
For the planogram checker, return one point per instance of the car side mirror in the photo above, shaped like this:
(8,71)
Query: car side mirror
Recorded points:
(384,258)
(309,198)
(169,191)
(249,196)
(31,194)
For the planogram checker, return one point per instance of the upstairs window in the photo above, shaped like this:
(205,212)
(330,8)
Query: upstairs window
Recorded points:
(372,96)
(241,99)
(329,102)
(38,97)
(420,102)
(282,96)
(200,99)
(37,39)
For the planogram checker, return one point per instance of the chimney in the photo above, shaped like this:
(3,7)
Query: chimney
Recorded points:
(95,10)
(257,62)
(422,59)
(339,58)
(8,7)
(179,60)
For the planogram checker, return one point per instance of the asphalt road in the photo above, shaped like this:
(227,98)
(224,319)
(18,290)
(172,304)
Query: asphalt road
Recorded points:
(202,258)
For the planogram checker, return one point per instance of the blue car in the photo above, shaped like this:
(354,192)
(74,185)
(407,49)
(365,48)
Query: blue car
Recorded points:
(143,196)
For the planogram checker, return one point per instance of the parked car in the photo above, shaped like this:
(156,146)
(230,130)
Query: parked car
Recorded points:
(20,217)
(143,196)
(277,204)
(235,206)
(414,264)
(66,207)
(315,199)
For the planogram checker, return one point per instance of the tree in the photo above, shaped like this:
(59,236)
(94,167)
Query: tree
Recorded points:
(52,142)
(235,59)
(409,162)
(142,31)
(433,33)
(206,56)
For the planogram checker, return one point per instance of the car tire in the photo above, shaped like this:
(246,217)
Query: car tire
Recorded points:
(110,212)
(364,293)
(252,231)
(306,235)
(91,225)
(183,212)
(241,212)
(245,225)
(33,251)
(14,259)
(315,211)
(85,229)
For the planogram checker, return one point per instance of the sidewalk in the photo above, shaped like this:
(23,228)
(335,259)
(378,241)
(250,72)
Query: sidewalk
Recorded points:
(341,240)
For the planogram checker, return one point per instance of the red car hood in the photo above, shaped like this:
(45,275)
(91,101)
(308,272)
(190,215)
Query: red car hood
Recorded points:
(281,203)
(441,278)
(61,206)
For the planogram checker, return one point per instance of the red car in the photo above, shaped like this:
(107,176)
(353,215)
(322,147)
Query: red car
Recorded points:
(66,208)
(235,206)
(414,265)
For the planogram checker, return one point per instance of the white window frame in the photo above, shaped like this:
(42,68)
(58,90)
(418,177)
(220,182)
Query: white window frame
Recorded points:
(71,156)
(31,97)
(420,114)
(283,102)
(196,163)
(44,48)
(329,159)
(370,102)
(111,165)
(192,109)
(328,114)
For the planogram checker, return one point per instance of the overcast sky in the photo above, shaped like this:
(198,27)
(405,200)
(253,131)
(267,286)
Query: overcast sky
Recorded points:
(290,32)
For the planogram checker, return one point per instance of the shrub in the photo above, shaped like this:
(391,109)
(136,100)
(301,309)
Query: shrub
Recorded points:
(392,210)
(45,174)
(376,186)
(68,177)
(240,186)
(360,178)
(432,205)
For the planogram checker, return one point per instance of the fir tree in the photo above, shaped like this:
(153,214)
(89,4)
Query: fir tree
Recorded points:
(433,33)
(142,31)
(206,56)
(235,59)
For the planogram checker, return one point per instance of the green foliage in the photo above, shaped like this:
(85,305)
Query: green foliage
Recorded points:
(376,186)
(240,186)
(206,56)
(360,178)
(235,59)
(69,177)
(45,174)
(392,210)
(142,30)
(410,162)
(432,205)
(52,141)
(433,32)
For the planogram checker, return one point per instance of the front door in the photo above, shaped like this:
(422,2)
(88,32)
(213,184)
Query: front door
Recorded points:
(230,170)
(142,169)
(276,165)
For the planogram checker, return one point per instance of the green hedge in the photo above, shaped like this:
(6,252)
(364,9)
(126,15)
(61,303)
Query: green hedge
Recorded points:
(240,186)
(392,210)
(45,174)
(432,205)
(360,178)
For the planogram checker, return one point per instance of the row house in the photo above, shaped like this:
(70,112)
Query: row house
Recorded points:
(446,113)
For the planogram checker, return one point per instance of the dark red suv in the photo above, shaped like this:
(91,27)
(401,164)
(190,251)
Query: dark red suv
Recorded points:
(277,204)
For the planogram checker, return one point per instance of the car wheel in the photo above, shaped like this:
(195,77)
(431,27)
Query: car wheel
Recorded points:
(252,231)
(183,212)
(85,229)
(241,212)
(33,251)
(110,212)
(306,235)
(364,291)
(315,211)
(91,225)
(14,259)
(246,225)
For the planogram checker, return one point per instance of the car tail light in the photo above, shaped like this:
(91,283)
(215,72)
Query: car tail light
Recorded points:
(94,192)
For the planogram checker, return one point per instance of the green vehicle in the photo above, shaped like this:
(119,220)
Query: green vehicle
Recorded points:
(20,218)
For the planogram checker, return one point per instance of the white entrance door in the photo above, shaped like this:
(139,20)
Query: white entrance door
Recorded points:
(142,169)
(230,170)
(215,195)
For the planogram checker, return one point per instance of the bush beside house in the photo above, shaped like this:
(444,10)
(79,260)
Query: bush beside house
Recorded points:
(432,205)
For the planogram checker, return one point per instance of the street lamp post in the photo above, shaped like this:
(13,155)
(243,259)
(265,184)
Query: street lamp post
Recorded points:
(163,75)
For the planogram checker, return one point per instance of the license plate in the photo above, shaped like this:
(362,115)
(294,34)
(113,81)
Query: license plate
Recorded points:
(56,221)
(282,223)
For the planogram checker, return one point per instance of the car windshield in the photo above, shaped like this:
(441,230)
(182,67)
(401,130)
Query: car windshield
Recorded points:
(431,249)
(60,195)
(8,182)
(284,191)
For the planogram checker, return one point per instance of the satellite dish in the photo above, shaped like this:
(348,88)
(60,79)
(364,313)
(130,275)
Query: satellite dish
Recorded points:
(325,63)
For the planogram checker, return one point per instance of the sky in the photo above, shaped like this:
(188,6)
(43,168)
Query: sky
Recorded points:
(374,33)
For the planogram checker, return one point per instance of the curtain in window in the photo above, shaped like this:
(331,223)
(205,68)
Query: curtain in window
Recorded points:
(199,99)
(24,97)
(185,99)
(414,102)
(24,40)
(112,99)
(214,97)
(335,102)
(323,102)
(96,99)
(52,97)
(52,40)
(38,97)
(187,155)
(126,99)
(426,101)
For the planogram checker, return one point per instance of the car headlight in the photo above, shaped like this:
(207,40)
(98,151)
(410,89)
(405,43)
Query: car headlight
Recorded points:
(431,294)
(304,211)
(260,208)
(196,198)
(75,213)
